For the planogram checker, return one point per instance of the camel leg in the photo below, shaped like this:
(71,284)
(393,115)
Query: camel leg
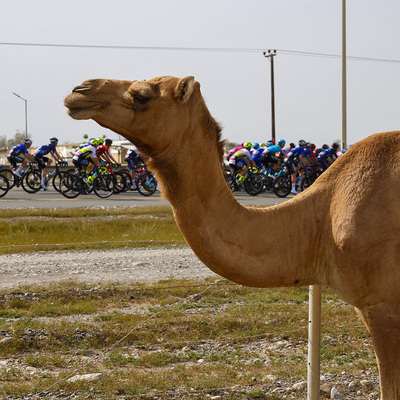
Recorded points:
(384,327)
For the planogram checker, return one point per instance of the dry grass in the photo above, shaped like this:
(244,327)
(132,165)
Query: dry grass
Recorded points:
(159,341)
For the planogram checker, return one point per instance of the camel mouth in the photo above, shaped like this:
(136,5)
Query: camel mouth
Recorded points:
(81,113)
(79,108)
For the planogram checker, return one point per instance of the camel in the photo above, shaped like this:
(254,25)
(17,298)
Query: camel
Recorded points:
(344,231)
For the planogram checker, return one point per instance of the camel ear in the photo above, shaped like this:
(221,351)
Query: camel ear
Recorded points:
(184,89)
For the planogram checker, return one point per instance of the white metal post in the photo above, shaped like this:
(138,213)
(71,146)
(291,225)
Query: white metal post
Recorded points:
(314,337)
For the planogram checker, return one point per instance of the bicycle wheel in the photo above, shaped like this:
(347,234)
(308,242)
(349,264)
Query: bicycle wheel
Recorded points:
(120,182)
(254,184)
(4,185)
(69,186)
(10,176)
(305,183)
(56,180)
(104,186)
(146,184)
(282,186)
(31,181)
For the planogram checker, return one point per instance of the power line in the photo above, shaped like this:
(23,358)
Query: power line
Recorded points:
(201,49)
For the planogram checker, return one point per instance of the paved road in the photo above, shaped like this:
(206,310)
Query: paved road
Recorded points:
(18,198)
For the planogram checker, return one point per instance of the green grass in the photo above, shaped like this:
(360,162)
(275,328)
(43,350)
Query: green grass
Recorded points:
(67,229)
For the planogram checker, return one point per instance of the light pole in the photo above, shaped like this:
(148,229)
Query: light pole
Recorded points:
(26,114)
(271,54)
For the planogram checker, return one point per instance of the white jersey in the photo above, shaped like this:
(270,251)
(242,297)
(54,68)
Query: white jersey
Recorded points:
(87,151)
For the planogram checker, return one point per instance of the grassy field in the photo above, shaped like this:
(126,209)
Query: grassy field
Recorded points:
(66,229)
(168,340)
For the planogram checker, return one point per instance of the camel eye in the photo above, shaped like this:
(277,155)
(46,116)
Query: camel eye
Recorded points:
(138,98)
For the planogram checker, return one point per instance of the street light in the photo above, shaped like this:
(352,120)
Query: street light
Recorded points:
(26,114)
(271,54)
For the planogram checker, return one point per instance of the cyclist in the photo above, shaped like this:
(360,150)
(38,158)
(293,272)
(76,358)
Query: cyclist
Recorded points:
(103,151)
(256,155)
(271,156)
(309,153)
(281,143)
(43,161)
(14,156)
(231,152)
(241,161)
(85,157)
(328,156)
(133,159)
(294,159)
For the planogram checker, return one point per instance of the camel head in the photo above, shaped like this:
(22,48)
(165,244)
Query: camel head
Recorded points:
(152,114)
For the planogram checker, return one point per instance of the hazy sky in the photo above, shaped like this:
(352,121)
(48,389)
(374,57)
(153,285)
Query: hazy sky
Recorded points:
(235,84)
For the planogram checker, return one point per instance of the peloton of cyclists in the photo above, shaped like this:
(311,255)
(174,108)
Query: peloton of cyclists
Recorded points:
(15,156)
(44,162)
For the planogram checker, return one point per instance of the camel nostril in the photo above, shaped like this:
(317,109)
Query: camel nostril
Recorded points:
(80,89)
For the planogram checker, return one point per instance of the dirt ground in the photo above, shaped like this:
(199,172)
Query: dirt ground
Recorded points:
(141,265)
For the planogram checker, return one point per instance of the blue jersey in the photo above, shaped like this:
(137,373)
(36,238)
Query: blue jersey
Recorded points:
(272,150)
(19,149)
(46,149)
(256,156)
(307,153)
(325,154)
(296,152)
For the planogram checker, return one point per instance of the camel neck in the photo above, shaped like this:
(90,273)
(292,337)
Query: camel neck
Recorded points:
(250,246)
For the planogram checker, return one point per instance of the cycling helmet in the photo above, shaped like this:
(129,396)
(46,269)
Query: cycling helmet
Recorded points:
(53,139)
(255,145)
(325,146)
(335,145)
(28,141)
(263,144)
(281,141)
(100,141)
(308,144)
(270,143)
(108,142)
(302,142)
(313,146)
(247,145)
(93,142)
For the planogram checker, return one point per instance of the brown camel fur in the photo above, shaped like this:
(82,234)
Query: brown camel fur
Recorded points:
(343,232)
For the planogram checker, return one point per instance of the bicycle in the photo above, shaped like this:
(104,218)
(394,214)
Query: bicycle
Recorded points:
(75,183)
(253,182)
(282,184)
(119,177)
(146,182)
(55,178)
(30,185)
(311,173)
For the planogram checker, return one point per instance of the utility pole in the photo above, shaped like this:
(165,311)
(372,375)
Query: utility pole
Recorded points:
(270,55)
(344,86)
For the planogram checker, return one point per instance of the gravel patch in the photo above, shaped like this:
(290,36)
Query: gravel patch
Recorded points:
(139,265)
